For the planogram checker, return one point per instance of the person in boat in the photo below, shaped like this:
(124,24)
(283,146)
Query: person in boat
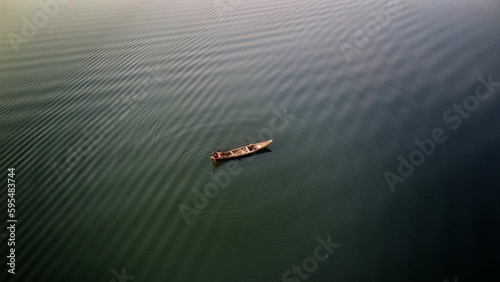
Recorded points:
(217,154)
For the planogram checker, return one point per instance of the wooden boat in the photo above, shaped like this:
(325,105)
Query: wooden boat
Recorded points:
(241,151)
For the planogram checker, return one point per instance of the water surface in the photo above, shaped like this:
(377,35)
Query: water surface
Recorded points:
(110,111)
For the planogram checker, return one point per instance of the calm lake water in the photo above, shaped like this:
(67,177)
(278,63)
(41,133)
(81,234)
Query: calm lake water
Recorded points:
(384,115)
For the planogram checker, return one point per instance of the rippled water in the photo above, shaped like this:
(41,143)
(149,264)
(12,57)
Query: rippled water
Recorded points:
(110,109)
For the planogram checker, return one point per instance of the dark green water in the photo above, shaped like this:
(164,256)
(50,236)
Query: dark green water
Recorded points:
(109,111)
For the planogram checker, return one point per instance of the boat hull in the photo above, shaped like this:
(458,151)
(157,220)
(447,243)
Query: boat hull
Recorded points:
(241,151)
